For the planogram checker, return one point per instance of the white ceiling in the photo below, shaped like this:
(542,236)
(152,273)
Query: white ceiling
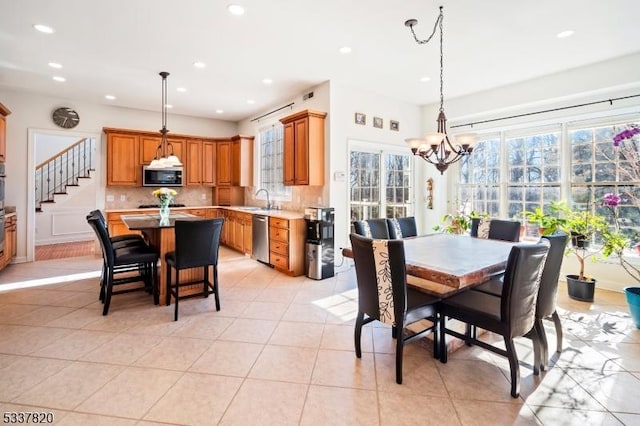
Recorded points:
(118,47)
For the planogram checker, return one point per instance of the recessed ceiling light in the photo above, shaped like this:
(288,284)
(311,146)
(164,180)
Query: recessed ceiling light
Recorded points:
(199,64)
(60,79)
(181,89)
(219,111)
(267,81)
(110,97)
(425,79)
(235,9)
(344,50)
(55,65)
(565,34)
(44,28)
(168,106)
(251,101)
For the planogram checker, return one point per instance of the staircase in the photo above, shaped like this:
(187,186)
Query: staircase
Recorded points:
(65,169)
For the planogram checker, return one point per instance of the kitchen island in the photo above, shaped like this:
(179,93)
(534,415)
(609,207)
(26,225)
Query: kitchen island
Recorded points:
(162,239)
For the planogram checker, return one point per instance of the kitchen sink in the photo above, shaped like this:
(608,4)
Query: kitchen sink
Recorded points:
(252,209)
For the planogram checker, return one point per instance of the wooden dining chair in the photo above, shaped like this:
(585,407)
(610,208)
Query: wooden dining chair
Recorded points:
(511,315)
(383,294)
(197,245)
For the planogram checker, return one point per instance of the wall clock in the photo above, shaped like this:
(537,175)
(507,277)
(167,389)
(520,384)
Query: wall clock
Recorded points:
(66,118)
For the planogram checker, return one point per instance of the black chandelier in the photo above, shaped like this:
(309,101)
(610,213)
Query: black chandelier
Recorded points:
(436,147)
(164,153)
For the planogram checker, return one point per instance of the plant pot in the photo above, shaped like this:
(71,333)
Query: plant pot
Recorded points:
(633,299)
(579,241)
(582,290)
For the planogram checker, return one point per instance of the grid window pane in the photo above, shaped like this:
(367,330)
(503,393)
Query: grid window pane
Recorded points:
(271,162)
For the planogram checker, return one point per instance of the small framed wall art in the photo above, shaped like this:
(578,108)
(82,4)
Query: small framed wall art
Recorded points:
(361,118)
(377,122)
(394,125)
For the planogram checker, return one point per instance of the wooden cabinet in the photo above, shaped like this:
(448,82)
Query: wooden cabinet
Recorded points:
(236,232)
(115,224)
(223,164)
(199,163)
(193,159)
(123,160)
(129,150)
(149,148)
(304,148)
(4,111)
(286,245)
(208,163)
(234,162)
(10,240)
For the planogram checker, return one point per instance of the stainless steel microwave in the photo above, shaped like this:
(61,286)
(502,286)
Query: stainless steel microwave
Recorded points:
(168,176)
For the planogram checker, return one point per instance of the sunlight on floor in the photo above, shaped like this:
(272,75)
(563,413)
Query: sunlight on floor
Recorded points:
(343,305)
(49,281)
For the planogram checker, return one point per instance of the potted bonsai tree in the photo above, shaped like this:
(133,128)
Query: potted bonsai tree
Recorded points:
(583,226)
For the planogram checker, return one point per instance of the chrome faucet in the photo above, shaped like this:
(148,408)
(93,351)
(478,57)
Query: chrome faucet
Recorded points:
(266,192)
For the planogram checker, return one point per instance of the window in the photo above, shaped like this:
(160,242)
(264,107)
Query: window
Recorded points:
(381,184)
(510,172)
(272,163)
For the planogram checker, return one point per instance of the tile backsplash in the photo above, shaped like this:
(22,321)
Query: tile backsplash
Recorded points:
(127,197)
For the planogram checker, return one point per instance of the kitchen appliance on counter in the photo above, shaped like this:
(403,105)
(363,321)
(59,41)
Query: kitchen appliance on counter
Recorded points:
(319,260)
(260,238)
(167,176)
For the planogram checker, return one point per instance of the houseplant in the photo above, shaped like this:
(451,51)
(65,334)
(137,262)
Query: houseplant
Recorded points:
(458,222)
(548,223)
(615,242)
(164,195)
(582,226)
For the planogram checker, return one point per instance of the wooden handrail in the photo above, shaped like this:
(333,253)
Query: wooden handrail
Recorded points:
(69,148)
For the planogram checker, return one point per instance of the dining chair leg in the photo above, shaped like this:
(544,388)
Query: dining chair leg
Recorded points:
(205,281)
(177,295)
(436,335)
(558,324)
(443,340)
(544,345)
(358,334)
(468,333)
(399,350)
(215,287)
(168,285)
(154,283)
(108,290)
(534,334)
(514,367)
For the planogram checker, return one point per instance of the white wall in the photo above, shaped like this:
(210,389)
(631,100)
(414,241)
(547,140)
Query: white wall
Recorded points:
(345,102)
(48,145)
(31,111)
(614,78)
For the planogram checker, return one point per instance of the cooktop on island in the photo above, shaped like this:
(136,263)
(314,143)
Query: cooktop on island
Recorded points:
(157,206)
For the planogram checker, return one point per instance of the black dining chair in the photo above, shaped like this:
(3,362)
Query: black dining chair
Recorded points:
(511,315)
(197,245)
(140,260)
(372,228)
(402,227)
(383,294)
(505,230)
(547,294)
(118,240)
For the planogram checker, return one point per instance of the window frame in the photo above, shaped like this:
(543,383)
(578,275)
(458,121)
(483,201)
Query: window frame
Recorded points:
(286,193)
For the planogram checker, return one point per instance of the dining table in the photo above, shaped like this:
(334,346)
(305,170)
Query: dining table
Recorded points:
(160,235)
(445,264)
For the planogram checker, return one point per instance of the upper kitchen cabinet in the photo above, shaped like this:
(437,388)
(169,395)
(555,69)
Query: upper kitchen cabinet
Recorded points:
(304,148)
(4,111)
(123,159)
(200,162)
(234,162)
(149,148)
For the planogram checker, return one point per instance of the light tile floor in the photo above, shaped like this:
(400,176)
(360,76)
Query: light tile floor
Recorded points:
(281,352)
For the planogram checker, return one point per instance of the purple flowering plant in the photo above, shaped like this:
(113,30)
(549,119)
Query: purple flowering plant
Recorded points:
(625,134)
(614,241)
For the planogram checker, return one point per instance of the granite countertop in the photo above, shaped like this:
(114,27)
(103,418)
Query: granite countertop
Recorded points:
(284,214)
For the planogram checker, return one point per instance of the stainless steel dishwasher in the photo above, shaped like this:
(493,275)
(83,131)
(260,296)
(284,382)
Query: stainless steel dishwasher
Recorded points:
(260,238)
